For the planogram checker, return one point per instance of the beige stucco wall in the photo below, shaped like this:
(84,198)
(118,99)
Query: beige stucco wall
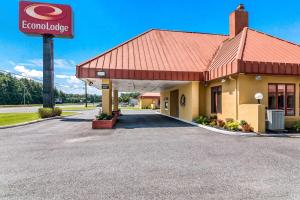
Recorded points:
(238,100)
(229,98)
(249,86)
(254,114)
(146,102)
(163,96)
(191,108)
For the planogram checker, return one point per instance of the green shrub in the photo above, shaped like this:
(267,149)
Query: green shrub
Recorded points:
(57,111)
(104,116)
(232,126)
(220,123)
(296,126)
(213,117)
(213,123)
(202,120)
(243,123)
(228,120)
(49,112)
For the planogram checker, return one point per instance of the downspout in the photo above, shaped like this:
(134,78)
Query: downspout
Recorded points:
(236,97)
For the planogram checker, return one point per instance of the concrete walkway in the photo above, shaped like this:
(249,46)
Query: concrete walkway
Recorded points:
(146,157)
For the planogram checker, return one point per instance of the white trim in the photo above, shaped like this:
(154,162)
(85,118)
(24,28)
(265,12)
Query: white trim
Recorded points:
(224,132)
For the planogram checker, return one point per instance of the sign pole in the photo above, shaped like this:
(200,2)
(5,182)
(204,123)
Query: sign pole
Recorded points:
(48,72)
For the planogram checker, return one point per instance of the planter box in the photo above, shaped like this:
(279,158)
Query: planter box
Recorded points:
(116,113)
(104,124)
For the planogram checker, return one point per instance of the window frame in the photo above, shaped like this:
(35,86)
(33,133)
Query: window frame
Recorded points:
(216,89)
(285,96)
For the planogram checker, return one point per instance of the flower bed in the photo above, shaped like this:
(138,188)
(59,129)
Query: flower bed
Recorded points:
(228,124)
(104,121)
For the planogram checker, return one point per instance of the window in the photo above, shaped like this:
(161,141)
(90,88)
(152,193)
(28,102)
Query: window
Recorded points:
(216,99)
(282,96)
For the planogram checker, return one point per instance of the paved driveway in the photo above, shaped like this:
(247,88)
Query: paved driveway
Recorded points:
(141,159)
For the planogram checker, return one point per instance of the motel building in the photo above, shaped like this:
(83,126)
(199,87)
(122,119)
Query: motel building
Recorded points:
(149,100)
(204,74)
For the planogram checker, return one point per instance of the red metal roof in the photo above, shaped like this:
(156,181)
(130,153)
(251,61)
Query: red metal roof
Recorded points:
(186,56)
(156,55)
(266,48)
(254,52)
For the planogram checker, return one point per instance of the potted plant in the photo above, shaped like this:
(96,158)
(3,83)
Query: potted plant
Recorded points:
(104,121)
(245,126)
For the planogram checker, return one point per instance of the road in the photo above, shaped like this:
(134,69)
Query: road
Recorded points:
(147,156)
(24,109)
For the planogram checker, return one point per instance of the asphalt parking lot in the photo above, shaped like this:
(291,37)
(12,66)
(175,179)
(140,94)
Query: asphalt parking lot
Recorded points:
(147,156)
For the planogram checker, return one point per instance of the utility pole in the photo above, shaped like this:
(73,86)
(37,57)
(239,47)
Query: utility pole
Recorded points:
(24,96)
(85,94)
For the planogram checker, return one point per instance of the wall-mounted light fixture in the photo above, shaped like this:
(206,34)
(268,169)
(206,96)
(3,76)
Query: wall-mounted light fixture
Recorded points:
(223,80)
(101,74)
(258,78)
(258,97)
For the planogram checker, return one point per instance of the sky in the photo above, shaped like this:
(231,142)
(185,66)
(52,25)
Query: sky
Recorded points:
(102,24)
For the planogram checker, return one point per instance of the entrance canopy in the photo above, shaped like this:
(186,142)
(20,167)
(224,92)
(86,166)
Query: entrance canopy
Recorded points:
(142,86)
(169,57)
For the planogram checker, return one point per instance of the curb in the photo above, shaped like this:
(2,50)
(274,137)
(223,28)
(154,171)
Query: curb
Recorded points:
(35,121)
(224,132)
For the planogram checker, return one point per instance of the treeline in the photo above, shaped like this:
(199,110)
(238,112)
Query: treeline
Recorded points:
(125,97)
(15,91)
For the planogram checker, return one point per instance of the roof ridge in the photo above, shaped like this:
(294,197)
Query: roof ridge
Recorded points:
(195,32)
(216,54)
(242,44)
(111,49)
(274,37)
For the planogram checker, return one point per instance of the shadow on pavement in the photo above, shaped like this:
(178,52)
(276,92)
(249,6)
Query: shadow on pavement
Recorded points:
(130,121)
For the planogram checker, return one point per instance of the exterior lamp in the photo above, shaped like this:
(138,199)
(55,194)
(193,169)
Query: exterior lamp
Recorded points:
(101,74)
(258,78)
(223,80)
(258,97)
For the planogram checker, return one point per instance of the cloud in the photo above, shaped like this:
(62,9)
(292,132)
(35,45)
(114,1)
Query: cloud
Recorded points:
(62,76)
(38,62)
(64,63)
(70,79)
(28,72)
(74,80)
(34,62)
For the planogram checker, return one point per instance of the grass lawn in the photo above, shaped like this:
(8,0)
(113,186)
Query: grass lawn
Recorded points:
(7,119)
(77,108)
(41,105)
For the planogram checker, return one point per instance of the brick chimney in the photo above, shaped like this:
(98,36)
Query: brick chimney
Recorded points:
(238,20)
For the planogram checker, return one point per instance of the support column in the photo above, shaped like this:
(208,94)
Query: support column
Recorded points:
(116,100)
(48,72)
(106,96)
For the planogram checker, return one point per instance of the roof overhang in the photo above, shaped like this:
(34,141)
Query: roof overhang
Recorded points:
(92,73)
(142,86)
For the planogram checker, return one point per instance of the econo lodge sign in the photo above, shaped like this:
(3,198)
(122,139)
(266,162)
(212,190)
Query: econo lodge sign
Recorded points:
(44,18)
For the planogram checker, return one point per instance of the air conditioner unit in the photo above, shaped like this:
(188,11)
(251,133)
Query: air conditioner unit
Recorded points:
(275,120)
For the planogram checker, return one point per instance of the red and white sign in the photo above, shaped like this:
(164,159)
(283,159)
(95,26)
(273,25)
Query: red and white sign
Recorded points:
(44,18)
